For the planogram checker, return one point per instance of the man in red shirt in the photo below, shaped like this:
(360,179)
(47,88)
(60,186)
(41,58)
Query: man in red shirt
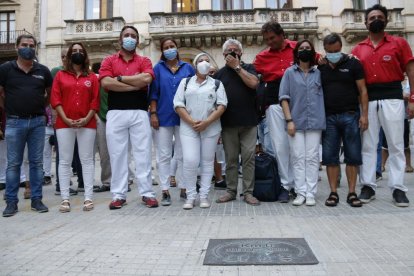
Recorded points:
(272,63)
(385,58)
(126,76)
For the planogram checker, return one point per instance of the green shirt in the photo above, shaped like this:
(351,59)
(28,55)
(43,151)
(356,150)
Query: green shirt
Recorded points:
(55,70)
(103,108)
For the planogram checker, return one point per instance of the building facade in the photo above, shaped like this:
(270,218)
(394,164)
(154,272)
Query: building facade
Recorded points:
(197,25)
(17,18)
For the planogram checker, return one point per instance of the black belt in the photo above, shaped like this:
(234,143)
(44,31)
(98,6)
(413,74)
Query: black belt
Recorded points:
(24,116)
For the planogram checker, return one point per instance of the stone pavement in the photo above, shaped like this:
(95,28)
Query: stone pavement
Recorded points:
(377,239)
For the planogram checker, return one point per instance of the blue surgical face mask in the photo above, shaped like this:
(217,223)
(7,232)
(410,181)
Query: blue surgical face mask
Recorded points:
(334,57)
(170,54)
(129,43)
(26,53)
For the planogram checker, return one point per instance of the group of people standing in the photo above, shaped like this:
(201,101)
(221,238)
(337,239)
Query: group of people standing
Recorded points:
(184,110)
(344,100)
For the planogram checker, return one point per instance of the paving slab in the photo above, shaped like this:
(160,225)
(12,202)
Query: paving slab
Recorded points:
(377,239)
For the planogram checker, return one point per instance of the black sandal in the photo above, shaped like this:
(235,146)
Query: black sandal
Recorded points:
(332,200)
(353,200)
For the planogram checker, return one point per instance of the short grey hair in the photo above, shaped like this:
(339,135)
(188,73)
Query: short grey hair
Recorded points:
(232,41)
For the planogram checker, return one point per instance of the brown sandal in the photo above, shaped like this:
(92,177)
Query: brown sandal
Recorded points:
(64,206)
(225,198)
(88,205)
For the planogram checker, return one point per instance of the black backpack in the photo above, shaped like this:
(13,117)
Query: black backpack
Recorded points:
(267,181)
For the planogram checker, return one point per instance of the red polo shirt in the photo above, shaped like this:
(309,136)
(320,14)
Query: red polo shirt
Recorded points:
(385,63)
(76,95)
(115,65)
(272,64)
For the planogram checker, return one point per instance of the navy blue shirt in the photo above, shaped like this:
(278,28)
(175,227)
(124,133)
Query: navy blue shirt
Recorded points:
(25,94)
(163,90)
(339,85)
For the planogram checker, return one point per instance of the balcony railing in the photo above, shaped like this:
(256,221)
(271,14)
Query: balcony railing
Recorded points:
(354,23)
(8,39)
(208,24)
(94,30)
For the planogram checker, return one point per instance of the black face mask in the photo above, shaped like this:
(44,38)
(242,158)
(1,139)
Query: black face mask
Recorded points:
(234,55)
(377,26)
(77,58)
(305,55)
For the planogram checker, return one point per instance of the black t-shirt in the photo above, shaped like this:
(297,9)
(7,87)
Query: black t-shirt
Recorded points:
(24,93)
(339,85)
(241,109)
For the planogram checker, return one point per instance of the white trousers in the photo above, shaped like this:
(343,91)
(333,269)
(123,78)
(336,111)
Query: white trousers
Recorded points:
(198,152)
(47,153)
(3,163)
(163,141)
(121,127)
(86,139)
(280,144)
(304,150)
(390,115)
(173,166)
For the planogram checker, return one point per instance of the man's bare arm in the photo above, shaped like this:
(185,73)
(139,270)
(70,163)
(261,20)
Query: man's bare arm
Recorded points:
(113,84)
(139,81)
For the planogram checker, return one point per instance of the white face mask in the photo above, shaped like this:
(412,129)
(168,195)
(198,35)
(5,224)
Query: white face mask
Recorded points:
(203,67)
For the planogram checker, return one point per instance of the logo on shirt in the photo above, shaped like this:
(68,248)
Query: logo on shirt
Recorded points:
(88,83)
(386,58)
(38,77)
(210,97)
(344,70)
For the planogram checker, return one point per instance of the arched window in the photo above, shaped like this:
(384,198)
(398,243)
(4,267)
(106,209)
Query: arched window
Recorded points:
(184,5)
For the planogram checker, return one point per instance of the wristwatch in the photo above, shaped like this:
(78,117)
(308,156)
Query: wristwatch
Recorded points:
(289,120)
(119,78)
(237,69)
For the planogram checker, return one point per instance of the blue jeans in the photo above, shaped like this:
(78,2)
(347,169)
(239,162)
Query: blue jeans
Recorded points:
(342,127)
(264,137)
(18,133)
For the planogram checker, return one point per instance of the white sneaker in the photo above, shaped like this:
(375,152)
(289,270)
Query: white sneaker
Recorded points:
(310,201)
(204,203)
(189,204)
(299,200)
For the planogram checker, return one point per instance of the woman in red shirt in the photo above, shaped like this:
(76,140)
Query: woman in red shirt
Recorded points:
(75,96)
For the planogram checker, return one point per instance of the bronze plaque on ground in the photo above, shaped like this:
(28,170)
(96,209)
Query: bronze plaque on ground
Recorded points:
(259,252)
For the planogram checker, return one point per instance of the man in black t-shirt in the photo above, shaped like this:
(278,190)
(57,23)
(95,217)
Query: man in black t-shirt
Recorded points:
(239,121)
(344,88)
(25,85)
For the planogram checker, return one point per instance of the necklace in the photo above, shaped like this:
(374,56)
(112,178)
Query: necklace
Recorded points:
(174,67)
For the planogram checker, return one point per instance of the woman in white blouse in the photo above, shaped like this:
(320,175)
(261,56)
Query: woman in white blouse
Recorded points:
(199,101)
